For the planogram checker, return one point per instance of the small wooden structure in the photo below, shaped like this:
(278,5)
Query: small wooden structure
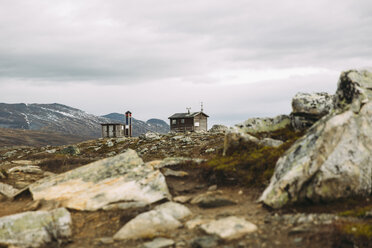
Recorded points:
(117,130)
(189,122)
(112,130)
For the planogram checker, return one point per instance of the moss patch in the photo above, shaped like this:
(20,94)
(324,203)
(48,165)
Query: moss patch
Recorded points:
(358,212)
(254,165)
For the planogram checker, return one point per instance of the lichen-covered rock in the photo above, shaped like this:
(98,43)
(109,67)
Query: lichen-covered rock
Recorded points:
(123,178)
(236,140)
(218,129)
(309,108)
(36,229)
(163,219)
(258,125)
(333,160)
(229,228)
(271,142)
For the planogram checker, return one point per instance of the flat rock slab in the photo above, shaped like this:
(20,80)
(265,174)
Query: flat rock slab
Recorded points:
(212,200)
(8,190)
(123,178)
(160,221)
(35,229)
(229,228)
(159,243)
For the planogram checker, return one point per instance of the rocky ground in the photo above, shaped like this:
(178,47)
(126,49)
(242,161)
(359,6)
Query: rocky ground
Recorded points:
(190,183)
(302,180)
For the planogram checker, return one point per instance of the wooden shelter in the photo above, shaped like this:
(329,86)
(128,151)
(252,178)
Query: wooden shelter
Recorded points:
(189,122)
(112,130)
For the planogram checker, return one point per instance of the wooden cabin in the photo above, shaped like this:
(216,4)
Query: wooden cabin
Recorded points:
(189,122)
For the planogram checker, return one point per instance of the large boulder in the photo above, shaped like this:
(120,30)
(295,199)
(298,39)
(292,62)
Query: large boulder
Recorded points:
(333,160)
(160,221)
(309,108)
(259,125)
(218,129)
(123,178)
(36,229)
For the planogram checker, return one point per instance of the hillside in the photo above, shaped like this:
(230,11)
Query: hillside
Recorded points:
(16,137)
(58,118)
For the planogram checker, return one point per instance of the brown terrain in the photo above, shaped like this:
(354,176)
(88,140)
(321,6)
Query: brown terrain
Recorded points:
(22,137)
(339,224)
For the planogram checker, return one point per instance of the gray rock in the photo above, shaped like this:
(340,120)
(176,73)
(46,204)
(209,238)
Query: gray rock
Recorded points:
(218,129)
(72,150)
(36,229)
(124,206)
(159,243)
(160,221)
(258,125)
(210,150)
(309,108)
(51,151)
(150,136)
(333,159)
(237,140)
(109,143)
(229,228)
(10,154)
(32,169)
(93,186)
(169,172)
(271,142)
(172,161)
(8,190)
(211,200)
(205,242)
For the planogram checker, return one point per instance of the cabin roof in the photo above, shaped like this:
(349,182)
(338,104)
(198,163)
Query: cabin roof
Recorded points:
(186,115)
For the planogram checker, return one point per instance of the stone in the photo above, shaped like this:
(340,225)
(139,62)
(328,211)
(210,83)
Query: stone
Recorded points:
(172,161)
(211,200)
(332,160)
(258,125)
(124,206)
(169,172)
(159,243)
(51,151)
(309,108)
(182,199)
(218,129)
(32,169)
(123,178)
(271,142)
(109,143)
(71,150)
(151,136)
(205,242)
(8,190)
(210,150)
(191,224)
(229,228)
(212,187)
(236,140)
(160,221)
(36,229)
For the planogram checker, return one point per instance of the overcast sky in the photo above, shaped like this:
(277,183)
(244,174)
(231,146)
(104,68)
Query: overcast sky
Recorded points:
(242,58)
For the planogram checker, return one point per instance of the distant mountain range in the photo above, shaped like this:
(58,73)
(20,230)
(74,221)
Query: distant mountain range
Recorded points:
(140,127)
(67,120)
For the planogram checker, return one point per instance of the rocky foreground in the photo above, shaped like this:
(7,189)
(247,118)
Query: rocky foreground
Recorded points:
(302,180)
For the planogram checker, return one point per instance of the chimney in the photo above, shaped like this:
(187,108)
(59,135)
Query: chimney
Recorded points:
(188,110)
(128,124)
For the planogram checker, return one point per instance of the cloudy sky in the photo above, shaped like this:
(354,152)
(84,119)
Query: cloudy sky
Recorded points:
(242,58)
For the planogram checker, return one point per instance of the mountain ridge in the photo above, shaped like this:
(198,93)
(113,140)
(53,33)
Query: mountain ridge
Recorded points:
(60,118)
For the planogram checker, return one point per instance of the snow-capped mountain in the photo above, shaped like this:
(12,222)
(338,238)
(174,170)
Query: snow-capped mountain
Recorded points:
(57,118)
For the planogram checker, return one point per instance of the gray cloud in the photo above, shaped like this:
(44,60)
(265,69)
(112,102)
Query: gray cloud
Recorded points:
(243,58)
(127,41)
